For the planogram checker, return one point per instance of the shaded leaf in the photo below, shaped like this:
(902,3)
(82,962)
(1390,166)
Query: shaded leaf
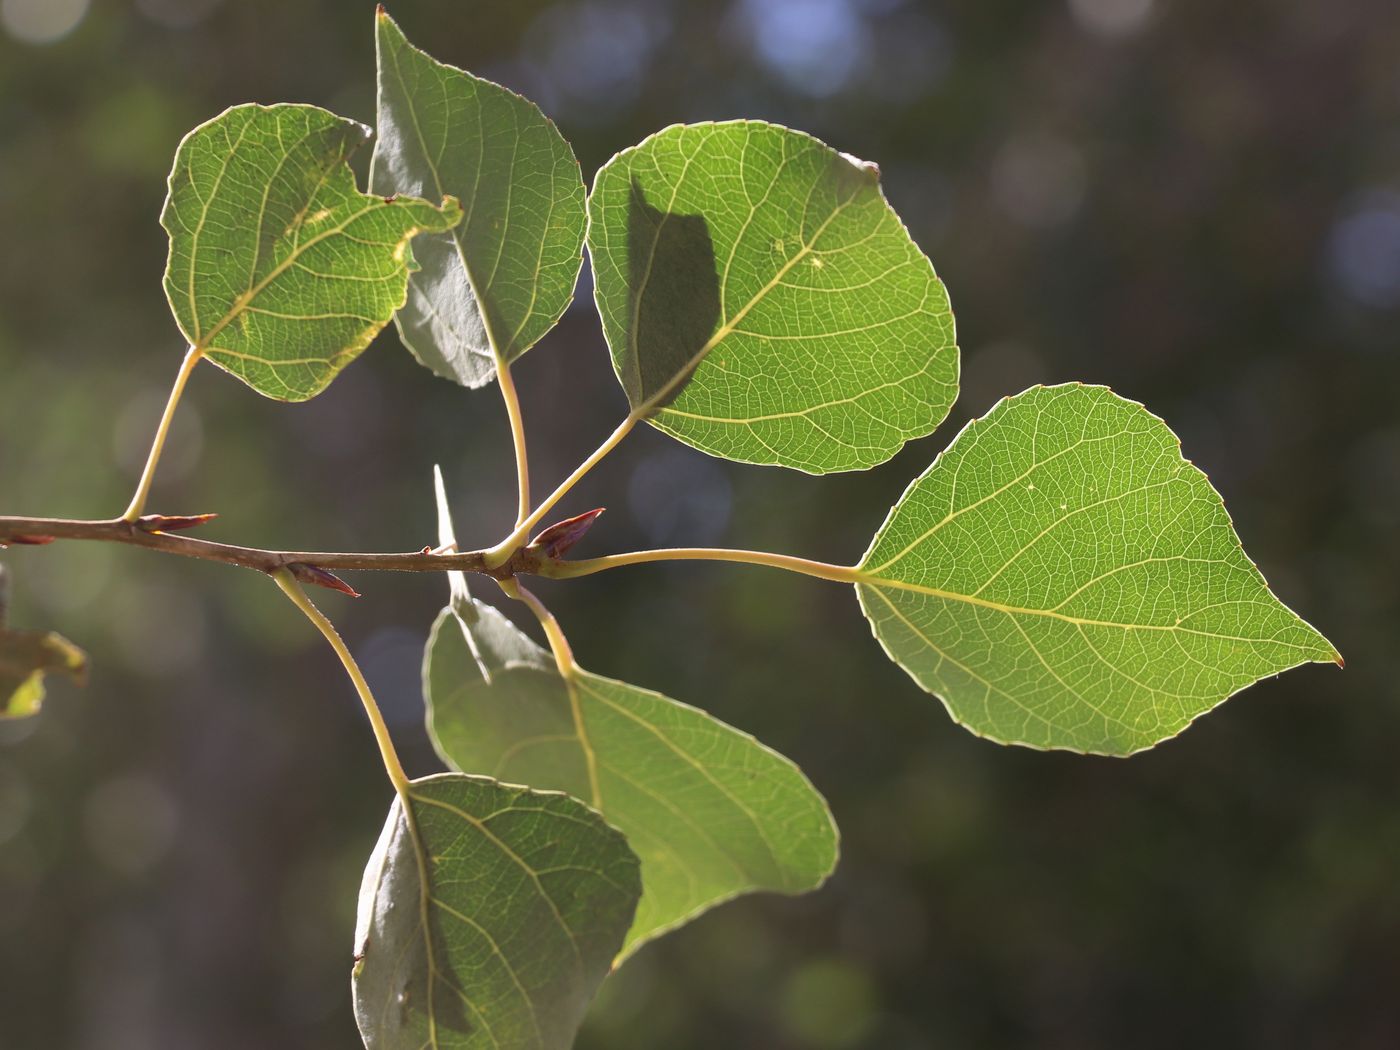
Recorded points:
(764,303)
(26,657)
(528,897)
(504,277)
(710,811)
(1061,577)
(280,270)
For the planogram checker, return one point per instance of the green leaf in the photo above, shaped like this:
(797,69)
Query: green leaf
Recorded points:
(26,657)
(504,277)
(764,303)
(1062,578)
(280,270)
(502,938)
(710,811)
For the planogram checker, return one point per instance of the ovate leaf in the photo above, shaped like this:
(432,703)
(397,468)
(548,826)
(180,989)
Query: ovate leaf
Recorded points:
(489,920)
(1061,577)
(280,270)
(711,812)
(764,303)
(26,657)
(492,287)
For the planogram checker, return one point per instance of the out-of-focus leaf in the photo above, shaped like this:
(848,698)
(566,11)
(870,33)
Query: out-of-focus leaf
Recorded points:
(26,657)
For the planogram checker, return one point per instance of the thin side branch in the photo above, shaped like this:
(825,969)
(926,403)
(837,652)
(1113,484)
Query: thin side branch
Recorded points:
(148,473)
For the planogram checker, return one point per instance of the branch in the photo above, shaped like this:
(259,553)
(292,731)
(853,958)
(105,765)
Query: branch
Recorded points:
(312,567)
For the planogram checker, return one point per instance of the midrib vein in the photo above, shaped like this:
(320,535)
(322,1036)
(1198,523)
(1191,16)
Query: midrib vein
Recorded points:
(725,330)
(864,578)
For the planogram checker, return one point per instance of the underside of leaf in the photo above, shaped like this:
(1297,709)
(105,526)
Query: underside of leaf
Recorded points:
(486,292)
(710,811)
(488,919)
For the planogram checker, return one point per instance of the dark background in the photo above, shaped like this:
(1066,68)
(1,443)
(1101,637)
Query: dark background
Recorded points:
(1195,202)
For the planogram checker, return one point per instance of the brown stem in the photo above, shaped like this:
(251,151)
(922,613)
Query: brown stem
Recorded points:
(145,532)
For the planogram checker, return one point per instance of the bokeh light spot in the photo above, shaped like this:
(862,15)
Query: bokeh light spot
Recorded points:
(1038,179)
(829,1003)
(1112,18)
(812,45)
(41,21)
(1364,251)
(130,823)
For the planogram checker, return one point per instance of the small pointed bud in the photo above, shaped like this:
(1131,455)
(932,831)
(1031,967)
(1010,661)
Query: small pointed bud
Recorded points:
(29,541)
(559,538)
(173,522)
(321,578)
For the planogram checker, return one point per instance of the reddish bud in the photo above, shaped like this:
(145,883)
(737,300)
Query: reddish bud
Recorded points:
(173,523)
(30,541)
(321,578)
(559,538)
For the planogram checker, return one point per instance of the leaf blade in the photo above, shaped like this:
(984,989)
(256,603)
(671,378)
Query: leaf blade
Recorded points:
(446,970)
(286,301)
(711,812)
(490,289)
(813,280)
(1061,577)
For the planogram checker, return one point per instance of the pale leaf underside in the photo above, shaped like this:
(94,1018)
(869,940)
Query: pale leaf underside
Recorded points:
(528,897)
(499,281)
(711,812)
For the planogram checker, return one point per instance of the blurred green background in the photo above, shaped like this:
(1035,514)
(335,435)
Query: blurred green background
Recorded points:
(1197,203)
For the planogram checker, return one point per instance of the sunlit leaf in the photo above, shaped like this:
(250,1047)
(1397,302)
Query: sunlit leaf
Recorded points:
(503,277)
(764,303)
(280,270)
(490,920)
(26,657)
(1061,577)
(710,811)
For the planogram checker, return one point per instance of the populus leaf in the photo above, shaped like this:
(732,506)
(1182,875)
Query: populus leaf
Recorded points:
(487,291)
(280,270)
(763,302)
(1062,578)
(489,919)
(710,811)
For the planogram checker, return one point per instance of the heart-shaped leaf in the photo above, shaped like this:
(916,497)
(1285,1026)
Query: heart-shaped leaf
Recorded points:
(710,811)
(489,919)
(487,291)
(280,270)
(1062,578)
(764,303)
